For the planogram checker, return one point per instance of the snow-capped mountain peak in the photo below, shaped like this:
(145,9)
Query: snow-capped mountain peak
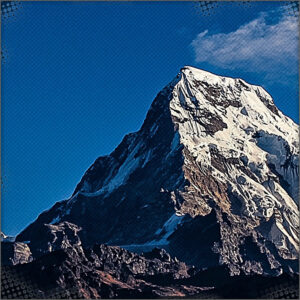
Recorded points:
(212,175)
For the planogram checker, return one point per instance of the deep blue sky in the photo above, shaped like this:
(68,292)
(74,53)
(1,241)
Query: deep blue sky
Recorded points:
(79,76)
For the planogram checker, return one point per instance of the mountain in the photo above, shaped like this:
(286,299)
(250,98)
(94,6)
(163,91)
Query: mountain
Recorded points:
(211,176)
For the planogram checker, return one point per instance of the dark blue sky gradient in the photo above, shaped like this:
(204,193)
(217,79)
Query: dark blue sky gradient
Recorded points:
(80,75)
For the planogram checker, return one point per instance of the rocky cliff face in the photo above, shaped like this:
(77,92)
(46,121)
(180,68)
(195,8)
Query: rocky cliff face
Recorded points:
(13,253)
(212,176)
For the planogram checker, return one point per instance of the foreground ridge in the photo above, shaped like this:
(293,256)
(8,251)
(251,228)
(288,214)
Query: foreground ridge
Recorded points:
(71,271)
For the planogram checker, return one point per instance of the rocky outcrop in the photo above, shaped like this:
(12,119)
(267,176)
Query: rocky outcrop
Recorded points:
(104,271)
(55,237)
(13,253)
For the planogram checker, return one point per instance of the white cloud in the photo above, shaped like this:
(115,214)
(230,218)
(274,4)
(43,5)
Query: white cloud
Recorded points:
(257,46)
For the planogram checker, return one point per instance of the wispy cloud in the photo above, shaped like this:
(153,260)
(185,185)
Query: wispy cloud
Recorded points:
(258,46)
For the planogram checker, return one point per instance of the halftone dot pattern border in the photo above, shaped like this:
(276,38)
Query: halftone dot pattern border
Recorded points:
(9,8)
(207,8)
(286,290)
(292,7)
(8,11)
(15,285)
(18,285)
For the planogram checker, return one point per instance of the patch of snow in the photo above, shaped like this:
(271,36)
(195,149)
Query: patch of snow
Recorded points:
(175,141)
(55,220)
(127,168)
(120,201)
(6,238)
(67,212)
(147,158)
(120,178)
(153,129)
(168,228)
(86,187)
